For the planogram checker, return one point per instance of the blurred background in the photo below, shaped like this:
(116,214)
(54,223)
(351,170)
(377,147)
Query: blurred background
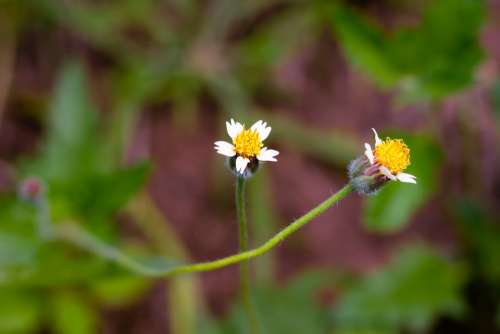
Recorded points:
(113,106)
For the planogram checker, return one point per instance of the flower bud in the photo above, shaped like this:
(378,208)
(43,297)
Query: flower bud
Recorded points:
(251,168)
(365,178)
(375,168)
(31,189)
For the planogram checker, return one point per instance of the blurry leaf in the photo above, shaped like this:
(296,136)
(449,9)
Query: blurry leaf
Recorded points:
(495,99)
(283,310)
(69,151)
(54,265)
(365,45)
(482,238)
(83,181)
(120,290)
(392,207)
(19,312)
(106,193)
(410,292)
(73,315)
(448,28)
(15,250)
(16,217)
(265,48)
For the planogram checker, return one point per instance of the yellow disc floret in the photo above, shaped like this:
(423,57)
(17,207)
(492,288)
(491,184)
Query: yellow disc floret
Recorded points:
(247,143)
(393,154)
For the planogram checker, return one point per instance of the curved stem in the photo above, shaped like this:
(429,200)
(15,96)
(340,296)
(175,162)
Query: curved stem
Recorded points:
(74,234)
(243,247)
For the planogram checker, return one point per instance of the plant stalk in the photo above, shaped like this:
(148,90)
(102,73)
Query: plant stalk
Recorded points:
(74,234)
(244,265)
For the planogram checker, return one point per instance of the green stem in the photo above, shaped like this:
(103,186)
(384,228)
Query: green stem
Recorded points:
(243,247)
(74,234)
(43,220)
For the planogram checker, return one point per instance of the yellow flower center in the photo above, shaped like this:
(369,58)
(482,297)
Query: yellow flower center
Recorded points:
(393,154)
(247,143)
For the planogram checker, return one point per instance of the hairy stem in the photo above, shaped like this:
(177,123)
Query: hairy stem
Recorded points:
(76,235)
(243,247)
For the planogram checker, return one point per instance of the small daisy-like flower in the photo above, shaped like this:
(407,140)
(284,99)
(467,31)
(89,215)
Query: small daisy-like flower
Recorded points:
(385,162)
(247,148)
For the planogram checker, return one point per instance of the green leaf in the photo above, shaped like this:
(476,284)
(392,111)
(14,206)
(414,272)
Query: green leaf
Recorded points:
(69,151)
(447,38)
(409,293)
(120,290)
(83,180)
(54,266)
(292,309)
(392,207)
(264,48)
(495,99)
(73,315)
(104,194)
(365,46)
(481,236)
(16,250)
(19,312)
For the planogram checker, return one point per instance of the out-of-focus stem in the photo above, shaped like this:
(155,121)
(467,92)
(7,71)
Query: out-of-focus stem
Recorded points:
(43,219)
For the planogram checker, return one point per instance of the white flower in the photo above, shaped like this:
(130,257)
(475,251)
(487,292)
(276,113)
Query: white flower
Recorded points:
(392,156)
(246,144)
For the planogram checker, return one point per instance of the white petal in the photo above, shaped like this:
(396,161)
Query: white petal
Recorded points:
(384,170)
(369,153)
(256,126)
(225,148)
(262,129)
(241,164)
(234,128)
(267,155)
(407,178)
(378,141)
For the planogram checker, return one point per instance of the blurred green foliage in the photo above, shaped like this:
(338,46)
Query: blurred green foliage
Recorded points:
(281,310)
(75,162)
(408,293)
(229,51)
(39,277)
(428,61)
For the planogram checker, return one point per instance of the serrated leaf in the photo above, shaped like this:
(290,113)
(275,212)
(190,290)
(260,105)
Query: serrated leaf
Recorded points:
(392,207)
(290,309)
(416,287)
(394,59)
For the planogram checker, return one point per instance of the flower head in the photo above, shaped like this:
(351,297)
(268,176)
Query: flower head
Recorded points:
(247,148)
(31,189)
(387,161)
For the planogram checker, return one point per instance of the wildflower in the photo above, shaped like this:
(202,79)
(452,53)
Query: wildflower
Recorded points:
(386,162)
(247,148)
